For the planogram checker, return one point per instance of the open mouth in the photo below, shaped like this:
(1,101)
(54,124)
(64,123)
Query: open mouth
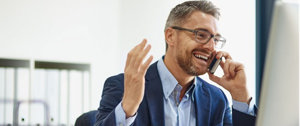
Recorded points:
(205,58)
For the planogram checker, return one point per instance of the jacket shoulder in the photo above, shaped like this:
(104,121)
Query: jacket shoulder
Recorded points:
(115,78)
(114,81)
(214,91)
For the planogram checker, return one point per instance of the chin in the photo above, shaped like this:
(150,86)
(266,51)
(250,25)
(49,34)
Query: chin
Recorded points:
(196,71)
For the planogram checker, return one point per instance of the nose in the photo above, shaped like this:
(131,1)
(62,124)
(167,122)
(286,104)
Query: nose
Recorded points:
(210,44)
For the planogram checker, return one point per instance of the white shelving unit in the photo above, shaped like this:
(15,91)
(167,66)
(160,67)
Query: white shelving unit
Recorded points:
(42,92)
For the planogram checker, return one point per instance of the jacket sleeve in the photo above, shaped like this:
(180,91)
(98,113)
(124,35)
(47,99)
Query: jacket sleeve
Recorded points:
(236,118)
(242,119)
(111,96)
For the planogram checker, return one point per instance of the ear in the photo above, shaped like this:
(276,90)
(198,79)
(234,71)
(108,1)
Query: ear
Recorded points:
(170,36)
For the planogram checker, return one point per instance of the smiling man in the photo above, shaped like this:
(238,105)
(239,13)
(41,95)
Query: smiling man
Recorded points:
(169,92)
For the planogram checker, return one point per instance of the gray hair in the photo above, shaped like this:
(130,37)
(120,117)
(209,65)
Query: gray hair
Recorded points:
(182,11)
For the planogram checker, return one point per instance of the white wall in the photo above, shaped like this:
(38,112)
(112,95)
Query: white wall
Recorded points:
(83,31)
(143,19)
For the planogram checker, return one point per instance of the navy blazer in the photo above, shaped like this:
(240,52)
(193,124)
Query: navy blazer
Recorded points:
(211,104)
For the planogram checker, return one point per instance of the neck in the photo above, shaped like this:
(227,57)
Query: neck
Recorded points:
(180,75)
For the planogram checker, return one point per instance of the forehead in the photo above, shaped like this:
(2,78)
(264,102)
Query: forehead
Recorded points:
(200,20)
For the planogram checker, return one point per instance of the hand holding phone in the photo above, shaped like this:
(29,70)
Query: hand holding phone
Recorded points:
(234,78)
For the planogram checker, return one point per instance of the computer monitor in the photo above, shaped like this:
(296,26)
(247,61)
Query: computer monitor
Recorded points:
(279,101)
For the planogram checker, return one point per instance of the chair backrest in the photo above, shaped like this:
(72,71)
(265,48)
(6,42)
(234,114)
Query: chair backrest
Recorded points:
(86,119)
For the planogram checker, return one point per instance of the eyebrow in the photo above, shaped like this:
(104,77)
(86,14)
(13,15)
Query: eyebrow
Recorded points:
(203,29)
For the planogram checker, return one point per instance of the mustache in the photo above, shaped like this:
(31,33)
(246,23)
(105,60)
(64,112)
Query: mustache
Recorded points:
(203,51)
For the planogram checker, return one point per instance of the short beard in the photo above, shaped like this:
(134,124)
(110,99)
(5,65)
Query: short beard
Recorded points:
(187,65)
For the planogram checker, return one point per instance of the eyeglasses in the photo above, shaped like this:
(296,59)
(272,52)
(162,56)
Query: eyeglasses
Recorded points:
(203,37)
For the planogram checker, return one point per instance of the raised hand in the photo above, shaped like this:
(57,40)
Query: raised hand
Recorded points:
(134,77)
(234,78)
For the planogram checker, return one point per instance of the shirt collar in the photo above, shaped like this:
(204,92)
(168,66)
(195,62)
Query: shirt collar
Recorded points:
(167,79)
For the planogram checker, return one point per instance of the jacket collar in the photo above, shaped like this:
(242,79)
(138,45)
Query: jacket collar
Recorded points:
(202,103)
(154,96)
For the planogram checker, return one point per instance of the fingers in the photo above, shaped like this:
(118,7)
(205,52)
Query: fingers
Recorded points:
(146,65)
(136,56)
(227,64)
(132,53)
(141,55)
(223,54)
(231,71)
(230,68)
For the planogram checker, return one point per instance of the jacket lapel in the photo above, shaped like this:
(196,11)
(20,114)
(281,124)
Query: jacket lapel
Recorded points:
(154,96)
(202,104)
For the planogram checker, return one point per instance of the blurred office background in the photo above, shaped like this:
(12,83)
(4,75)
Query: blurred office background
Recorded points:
(93,37)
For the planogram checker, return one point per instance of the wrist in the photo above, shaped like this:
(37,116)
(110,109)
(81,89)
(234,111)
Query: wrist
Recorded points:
(241,96)
(245,99)
(129,108)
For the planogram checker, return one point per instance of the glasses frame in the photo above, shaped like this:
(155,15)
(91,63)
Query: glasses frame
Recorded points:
(222,39)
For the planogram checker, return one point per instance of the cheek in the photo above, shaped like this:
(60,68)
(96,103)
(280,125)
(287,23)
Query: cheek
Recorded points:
(184,51)
(181,46)
(187,46)
(184,45)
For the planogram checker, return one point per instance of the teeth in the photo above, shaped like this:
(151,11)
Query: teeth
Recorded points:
(201,57)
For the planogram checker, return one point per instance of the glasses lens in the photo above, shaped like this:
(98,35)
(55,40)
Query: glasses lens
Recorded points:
(219,45)
(202,36)
(219,41)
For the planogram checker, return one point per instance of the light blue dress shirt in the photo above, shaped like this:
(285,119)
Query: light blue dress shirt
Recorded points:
(177,113)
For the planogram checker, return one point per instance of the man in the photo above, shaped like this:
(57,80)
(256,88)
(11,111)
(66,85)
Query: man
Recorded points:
(169,92)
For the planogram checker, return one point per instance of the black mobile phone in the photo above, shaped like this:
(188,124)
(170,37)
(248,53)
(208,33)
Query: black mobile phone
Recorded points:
(214,64)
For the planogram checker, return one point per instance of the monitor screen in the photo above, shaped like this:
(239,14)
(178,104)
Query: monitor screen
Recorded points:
(279,100)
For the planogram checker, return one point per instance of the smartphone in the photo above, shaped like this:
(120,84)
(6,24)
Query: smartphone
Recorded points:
(214,64)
